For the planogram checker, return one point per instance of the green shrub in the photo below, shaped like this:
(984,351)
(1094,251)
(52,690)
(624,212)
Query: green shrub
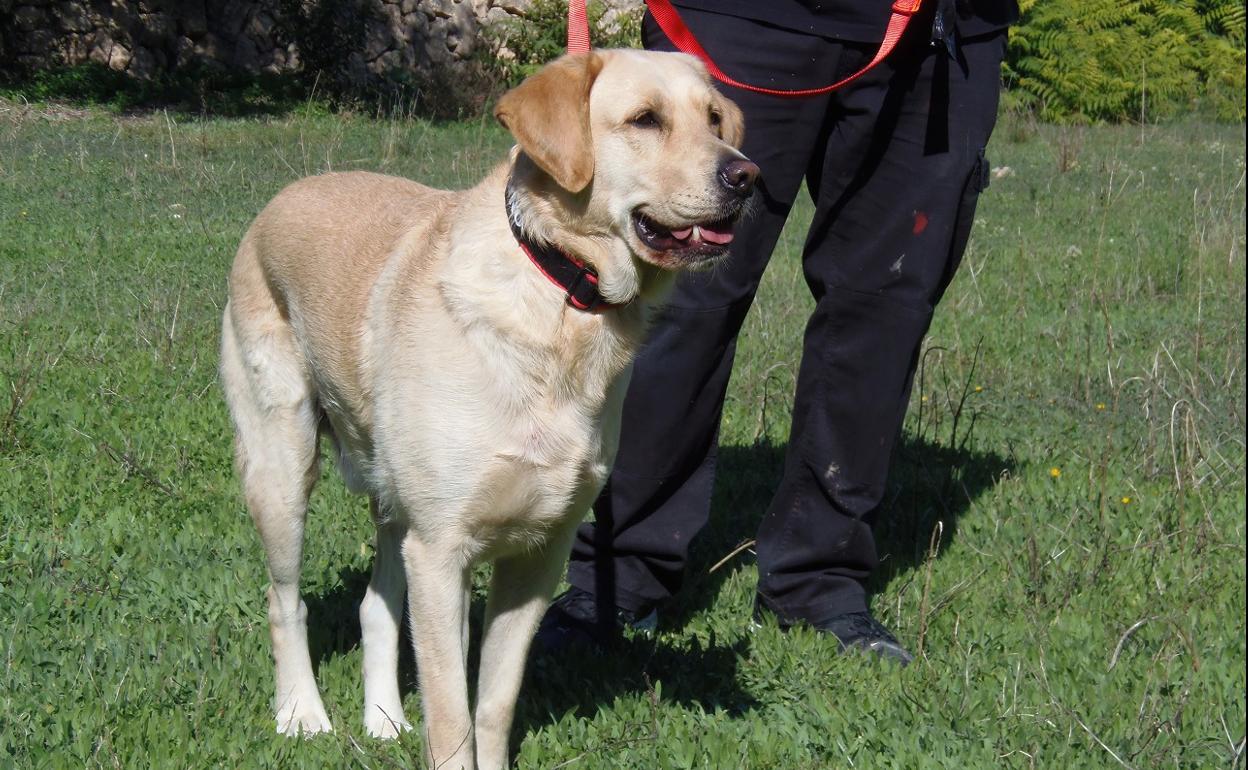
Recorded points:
(518,47)
(326,33)
(1111,60)
(89,82)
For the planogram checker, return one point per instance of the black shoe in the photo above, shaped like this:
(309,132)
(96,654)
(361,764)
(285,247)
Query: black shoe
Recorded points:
(573,619)
(854,632)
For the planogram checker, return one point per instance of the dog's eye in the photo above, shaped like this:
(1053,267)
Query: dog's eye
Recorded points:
(645,119)
(716,119)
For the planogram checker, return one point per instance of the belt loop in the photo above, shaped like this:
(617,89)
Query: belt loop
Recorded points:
(944,29)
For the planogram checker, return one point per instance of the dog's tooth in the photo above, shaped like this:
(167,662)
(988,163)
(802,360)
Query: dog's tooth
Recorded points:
(697,234)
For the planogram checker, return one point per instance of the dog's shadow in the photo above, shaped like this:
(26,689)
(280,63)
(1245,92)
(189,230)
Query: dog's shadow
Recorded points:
(929,483)
(334,617)
(579,683)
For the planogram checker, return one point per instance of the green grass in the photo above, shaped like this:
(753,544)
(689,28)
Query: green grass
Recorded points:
(1094,618)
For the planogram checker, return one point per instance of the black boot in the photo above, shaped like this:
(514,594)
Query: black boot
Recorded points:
(575,619)
(853,632)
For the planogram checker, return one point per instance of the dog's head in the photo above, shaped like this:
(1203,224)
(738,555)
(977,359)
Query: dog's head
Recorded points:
(639,146)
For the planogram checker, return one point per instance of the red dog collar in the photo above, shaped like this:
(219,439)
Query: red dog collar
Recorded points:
(578,280)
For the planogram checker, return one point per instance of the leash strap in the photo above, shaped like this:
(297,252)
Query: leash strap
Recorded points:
(578,27)
(674,27)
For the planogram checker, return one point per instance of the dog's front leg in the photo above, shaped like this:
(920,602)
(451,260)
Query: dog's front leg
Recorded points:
(520,589)
(437,583)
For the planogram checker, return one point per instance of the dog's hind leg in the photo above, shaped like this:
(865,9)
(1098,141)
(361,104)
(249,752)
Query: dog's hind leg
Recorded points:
(520,591)
(380,615)
(275,419)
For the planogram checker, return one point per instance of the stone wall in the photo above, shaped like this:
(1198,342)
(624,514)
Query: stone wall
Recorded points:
(145,38)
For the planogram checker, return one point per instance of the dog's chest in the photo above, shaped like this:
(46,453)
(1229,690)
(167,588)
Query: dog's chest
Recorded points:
(556,449)
(542,444)
(550,410)
(509,434)
(544,472)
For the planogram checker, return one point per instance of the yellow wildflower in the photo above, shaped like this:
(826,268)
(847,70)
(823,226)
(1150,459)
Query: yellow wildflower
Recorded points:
(1055,472)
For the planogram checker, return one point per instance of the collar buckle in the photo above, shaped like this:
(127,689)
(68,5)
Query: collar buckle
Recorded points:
(582,290)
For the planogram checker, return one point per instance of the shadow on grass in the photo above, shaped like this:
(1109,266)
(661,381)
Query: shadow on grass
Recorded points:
(582,682)
(579,682)
(334,616)
(192,91)
(334,625)
(205,91)
(928,482)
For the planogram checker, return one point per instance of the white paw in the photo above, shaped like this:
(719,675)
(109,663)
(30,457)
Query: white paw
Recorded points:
(385,723)
(296,719)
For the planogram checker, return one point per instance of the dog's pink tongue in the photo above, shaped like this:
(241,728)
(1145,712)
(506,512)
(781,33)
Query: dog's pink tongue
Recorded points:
(681,235)
(717,233)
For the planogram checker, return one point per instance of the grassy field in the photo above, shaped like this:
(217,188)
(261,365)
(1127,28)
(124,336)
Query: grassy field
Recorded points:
(1065,529)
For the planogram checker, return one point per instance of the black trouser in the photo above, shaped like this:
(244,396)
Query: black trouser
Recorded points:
(894,164)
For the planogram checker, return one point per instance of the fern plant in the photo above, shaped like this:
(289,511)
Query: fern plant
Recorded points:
(1110,60)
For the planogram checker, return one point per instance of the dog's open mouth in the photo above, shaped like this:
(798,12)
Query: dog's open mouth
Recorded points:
(702,240)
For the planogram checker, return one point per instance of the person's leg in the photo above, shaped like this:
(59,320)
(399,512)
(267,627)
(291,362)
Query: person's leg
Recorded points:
(895,202)
(658,496)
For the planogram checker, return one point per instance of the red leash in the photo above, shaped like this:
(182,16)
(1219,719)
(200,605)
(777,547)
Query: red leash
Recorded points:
(578,27)
(674,27)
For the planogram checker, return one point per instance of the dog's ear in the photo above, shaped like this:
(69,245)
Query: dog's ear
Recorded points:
(548,114)
(732,122)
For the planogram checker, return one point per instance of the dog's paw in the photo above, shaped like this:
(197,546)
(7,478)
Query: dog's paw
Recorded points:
(381,724)
(295,721)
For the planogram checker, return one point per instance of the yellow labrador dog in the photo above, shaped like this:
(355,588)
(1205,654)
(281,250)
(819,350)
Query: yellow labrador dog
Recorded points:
(467,352)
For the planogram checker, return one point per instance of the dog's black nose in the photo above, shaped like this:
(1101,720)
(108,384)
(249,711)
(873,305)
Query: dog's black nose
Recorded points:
(738,176)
